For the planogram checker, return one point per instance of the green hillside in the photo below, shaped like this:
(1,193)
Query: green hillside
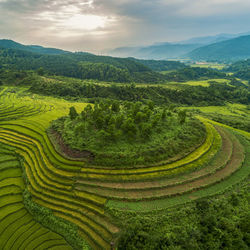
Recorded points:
(79,65)
(9,44)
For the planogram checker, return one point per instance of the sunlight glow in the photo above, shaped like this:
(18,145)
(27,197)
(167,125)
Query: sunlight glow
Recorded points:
(84,22)
(70,18)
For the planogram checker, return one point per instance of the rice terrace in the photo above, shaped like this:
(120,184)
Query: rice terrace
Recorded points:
(43,192)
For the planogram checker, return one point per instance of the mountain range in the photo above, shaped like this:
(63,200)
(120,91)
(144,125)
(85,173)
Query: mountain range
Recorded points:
(191,49)
(223,48)
(81,65)
(155,52)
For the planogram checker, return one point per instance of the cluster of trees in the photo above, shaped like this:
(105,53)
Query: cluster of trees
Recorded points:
(243,74)
(113,121)
(237,83)
(222,223)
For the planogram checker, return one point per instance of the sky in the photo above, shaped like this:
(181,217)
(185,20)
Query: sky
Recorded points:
(99,25)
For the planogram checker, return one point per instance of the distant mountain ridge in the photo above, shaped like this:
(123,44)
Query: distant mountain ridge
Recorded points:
(229,50)
(206,40)
(155,52)
(174,50)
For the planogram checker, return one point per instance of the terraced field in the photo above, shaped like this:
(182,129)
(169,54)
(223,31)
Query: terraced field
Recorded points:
(81,194)
(18,229)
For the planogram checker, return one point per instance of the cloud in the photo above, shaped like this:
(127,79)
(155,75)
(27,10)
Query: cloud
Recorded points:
(93,25)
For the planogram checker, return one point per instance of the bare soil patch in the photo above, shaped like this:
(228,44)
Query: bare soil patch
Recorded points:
(58,142)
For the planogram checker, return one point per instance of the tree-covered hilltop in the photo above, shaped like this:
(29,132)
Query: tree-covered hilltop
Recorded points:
(129,133)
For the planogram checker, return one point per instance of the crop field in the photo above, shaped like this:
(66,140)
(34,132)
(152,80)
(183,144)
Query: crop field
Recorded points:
(82,194)
(206,83)
(203,83)
(210,65)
